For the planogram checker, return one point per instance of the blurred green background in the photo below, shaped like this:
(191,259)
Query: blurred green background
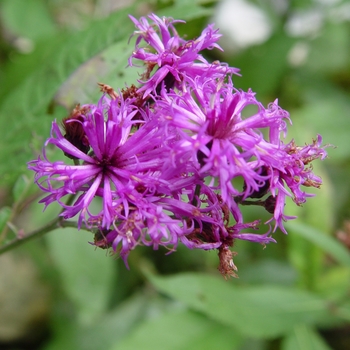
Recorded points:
(59,292)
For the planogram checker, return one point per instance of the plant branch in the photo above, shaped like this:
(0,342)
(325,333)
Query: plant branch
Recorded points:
(34,234)
(52,225)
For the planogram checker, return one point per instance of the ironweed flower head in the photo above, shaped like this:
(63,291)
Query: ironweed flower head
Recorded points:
(174,157)
(174,59)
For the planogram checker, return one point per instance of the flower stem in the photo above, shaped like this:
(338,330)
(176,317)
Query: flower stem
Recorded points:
(52,225)
(58,222)
(261,203)
(34,234)
(197,193)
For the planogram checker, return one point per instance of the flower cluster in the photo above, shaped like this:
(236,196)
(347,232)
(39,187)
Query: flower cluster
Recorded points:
(174,157)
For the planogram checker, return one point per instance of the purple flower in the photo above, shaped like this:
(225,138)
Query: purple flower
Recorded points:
(175,159)
(121,163)
(225,145)
(175,58)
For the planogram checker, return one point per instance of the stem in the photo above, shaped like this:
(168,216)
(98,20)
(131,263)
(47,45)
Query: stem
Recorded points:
(34,234)
(16,208)
(197,193)
(262,203)
(52,225)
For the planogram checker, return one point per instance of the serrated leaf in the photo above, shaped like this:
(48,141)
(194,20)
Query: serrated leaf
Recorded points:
(24,111)
(28,103)
(180,330)
(265,311)
(304,338)
(108,67)
(86,273)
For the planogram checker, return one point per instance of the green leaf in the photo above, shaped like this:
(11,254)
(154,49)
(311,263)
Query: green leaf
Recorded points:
(21,187)
(108,67)
(265,312)
(186,10)
(329,244)
(24,110)
(86,272)
(106,330)
(21,18)
(28,104)
(180,330)
(267,271)
(112,327)
(304,338)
